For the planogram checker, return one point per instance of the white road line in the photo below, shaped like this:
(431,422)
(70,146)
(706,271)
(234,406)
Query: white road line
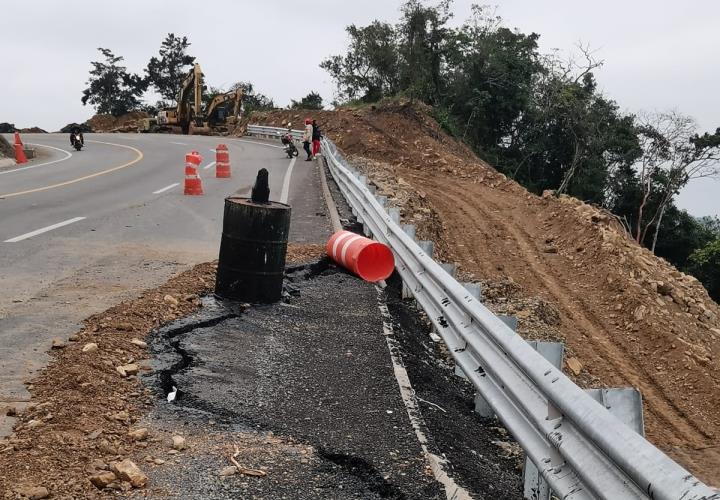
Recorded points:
(67,153)
(43,230)
(285,193)
(209,165)
(166,188)
(179,143)
(260,144)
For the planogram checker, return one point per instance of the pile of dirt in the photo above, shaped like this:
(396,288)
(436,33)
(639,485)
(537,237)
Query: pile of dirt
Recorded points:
(84,128)
(627,317)
(109,123)
(6,149)
(82,422)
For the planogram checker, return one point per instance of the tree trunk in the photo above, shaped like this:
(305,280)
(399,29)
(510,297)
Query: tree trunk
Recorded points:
(571,172)
(657,228)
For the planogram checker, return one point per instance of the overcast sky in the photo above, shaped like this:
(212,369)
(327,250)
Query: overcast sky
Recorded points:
(659,54)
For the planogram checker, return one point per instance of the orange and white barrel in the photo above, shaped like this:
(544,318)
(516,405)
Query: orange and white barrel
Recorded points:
(222,162)
(367,259)
(193,183)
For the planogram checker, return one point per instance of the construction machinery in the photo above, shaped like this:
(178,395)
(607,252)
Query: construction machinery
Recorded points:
(189,117)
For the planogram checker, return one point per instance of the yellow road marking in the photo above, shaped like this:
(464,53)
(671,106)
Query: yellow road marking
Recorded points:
(84,178)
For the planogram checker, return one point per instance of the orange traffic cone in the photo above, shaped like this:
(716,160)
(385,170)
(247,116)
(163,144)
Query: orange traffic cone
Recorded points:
(20,154)
(222,161)
(193,183)
(17,138)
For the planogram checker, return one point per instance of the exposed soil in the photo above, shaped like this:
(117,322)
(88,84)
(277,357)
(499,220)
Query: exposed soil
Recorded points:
(628,317)
(109,123)
(6,149)
(83,408)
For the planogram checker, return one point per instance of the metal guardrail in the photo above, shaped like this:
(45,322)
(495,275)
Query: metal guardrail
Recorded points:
(271,132)
(579,448)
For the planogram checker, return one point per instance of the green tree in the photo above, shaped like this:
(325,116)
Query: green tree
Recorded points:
(704,264)
(111,89)
(167,72)
(424,41)
(253,100)
(311,101)
(369,70)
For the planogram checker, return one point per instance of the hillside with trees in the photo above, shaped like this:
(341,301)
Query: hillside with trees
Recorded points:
(541,120)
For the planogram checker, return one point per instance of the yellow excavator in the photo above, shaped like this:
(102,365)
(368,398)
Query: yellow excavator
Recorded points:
(188,116)
(223,110)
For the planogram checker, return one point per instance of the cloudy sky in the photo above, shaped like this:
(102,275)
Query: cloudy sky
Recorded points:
(659,54)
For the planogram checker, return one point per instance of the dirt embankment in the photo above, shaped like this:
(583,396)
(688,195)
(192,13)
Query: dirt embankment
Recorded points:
(6,149)
(564,267)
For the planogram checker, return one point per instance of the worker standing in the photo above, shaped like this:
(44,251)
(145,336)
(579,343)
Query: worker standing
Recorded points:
(307,138)
(316,136)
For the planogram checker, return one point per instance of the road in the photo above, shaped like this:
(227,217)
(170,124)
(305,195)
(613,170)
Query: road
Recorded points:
(81,230)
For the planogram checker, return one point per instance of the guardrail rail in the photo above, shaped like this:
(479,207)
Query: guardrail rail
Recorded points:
(579,448)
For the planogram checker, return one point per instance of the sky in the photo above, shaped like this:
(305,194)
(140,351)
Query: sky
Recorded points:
(658,54)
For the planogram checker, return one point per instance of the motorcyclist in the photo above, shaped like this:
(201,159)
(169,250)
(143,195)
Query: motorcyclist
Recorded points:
(76,131)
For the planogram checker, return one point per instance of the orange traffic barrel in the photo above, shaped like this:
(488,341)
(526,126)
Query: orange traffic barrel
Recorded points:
(222,162)
(193,183)
(368,259)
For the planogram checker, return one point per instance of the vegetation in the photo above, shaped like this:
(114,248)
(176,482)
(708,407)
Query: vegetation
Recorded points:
(166,73)
(541,120)
(111,89)
(311,101)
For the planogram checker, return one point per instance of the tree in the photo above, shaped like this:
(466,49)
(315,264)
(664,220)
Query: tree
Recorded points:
(111,89)
(167,72)
(423,40)
(673,154)
(369,70)
(311,101)
(705,265)
(252,100)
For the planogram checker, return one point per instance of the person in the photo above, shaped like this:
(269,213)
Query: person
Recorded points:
(307,138)
(76,131)
(316,136)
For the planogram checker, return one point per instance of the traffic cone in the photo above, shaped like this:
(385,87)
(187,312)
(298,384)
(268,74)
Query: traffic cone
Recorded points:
(17,138)
(20,154)
(222,162)
(193,183)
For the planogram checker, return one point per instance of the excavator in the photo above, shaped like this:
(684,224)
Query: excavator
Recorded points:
(189,117)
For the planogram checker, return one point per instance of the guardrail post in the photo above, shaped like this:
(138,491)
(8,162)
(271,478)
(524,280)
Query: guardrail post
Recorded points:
(449,267)
(410,230)
(382,200)
(475,291)
(394,215)
(509,320)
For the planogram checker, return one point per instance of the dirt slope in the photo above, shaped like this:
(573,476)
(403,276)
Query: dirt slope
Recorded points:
(628,317)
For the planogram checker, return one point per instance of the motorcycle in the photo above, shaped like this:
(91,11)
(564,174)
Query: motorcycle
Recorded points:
(77,142)
(289,142)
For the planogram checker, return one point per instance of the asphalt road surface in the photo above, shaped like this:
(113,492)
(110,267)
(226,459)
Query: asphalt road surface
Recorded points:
(81,230)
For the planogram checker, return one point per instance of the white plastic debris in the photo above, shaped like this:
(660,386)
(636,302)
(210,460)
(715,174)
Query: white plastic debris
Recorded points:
(172,394)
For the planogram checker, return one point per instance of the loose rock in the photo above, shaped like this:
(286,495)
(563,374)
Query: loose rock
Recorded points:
(128,471)
(178,443)
(91,347)
(102,479)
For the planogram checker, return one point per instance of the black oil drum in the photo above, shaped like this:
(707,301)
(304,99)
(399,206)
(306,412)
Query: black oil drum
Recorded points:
(252,251)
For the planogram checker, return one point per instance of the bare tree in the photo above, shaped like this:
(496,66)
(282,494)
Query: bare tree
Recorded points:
(673,154)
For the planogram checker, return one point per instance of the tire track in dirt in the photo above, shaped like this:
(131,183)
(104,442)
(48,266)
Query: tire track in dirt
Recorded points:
(667,424)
